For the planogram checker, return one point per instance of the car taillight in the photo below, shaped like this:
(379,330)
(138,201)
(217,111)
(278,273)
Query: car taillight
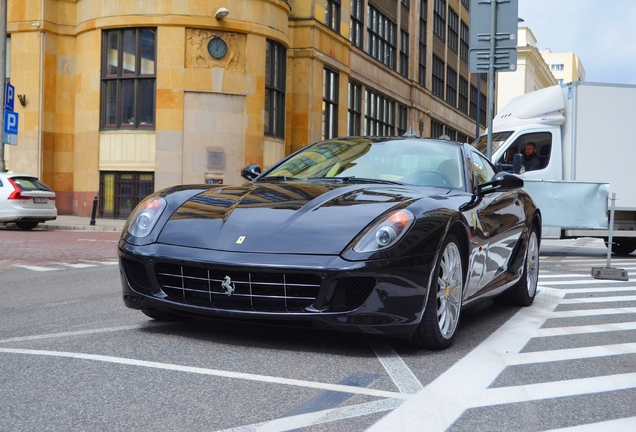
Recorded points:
(16,194)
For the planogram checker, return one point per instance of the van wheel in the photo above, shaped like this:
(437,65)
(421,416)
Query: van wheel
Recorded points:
(622,245)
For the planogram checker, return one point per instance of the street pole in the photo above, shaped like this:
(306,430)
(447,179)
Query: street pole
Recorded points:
(3,74)
(491,74)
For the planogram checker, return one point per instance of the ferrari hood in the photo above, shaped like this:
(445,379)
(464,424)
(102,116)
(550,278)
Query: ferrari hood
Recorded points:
(296,218)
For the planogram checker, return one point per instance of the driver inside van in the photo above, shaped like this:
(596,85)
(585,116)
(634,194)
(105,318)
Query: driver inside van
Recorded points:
(533,161)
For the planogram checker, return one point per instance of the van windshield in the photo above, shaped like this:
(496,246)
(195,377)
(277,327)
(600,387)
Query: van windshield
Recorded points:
(498,138)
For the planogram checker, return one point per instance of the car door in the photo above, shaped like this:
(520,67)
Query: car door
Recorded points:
(500,218)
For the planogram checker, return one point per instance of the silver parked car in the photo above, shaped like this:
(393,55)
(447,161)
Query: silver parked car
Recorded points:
(25,200)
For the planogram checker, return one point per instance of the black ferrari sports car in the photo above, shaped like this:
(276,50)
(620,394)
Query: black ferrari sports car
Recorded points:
(389,236)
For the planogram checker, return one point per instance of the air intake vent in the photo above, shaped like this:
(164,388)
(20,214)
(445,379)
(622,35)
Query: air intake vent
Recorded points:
(136,275)
(350,293)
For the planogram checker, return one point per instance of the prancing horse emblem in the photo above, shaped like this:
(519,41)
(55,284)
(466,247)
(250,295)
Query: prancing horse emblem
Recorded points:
(227,286)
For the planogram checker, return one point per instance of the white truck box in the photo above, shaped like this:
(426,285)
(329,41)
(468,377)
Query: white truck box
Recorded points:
(585,135)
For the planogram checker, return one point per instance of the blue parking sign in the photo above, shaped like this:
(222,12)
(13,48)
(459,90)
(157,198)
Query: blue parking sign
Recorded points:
(9,97)
(10,135)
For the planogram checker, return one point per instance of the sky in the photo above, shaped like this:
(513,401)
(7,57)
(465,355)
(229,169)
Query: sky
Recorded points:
(602,33)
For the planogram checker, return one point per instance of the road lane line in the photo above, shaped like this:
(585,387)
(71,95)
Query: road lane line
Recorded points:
(618,425)
(316,418)
(37,268)
(83,332)
(403,377)
(209,372)
(571,354)
(79,265)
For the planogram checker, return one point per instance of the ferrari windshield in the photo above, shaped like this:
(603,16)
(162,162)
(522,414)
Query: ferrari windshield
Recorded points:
(414,161)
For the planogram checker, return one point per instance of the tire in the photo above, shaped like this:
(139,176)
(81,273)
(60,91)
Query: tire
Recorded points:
(443,306)
(162,315)
(27,225)
(622,245)
(523,292)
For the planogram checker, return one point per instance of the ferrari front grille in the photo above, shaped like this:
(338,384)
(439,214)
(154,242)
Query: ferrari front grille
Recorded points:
(235,290)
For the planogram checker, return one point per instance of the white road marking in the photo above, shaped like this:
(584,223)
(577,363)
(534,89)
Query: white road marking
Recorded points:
(319,417)
(571,354)
(579,282)
(74,265)
(618,425)
(470,377)
(210,372)
(591,300)
(402,376)
(82,332)
(579,276)
(37,268)
(113,262)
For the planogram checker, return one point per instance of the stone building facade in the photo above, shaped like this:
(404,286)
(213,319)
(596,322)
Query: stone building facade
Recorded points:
(122,98)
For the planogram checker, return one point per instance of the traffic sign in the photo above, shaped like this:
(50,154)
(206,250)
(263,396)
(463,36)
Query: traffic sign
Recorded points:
(505,60)
(10,133)
(9,97)
(505,37)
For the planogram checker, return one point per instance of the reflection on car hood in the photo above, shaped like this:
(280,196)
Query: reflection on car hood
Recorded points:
(297,217)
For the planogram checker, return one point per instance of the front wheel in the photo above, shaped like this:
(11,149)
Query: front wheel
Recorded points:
(622,245)
(443,306)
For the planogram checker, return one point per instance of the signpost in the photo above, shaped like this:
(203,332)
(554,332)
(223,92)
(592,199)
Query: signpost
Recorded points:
(493,45)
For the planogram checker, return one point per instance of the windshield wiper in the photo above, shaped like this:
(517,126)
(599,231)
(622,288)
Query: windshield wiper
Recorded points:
(278,178)
(354,179)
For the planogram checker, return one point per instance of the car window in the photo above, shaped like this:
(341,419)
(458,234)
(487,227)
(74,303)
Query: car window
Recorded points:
(30,184)
(484,171)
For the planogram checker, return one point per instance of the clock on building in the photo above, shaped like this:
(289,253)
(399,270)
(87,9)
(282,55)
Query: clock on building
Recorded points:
(217,47)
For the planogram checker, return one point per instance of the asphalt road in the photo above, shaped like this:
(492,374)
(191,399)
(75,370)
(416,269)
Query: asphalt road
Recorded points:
(72,357)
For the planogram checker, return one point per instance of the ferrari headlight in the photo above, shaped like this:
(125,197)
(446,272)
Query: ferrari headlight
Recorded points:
(145,216)
(385,232)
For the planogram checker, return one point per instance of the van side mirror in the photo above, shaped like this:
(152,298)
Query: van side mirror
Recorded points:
(518,162)
(250,172)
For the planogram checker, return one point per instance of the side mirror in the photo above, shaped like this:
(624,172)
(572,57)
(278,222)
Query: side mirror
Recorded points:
(518,162)
(250,172)
(501,182)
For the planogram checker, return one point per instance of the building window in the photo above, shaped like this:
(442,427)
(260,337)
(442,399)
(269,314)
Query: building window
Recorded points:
(556,68)
(466,4)
(462,138)
(381,37)
(406,3)
(330,104)
(439,18)
(560,81)
(355,108)
(380,115)
(463,41)
(421,78)
(438,77)
(453,29)
(404,54)
(275,65)
(473,102)
(332,14)
(437,129)
(463,95)
(120,192)
(451,86)
(482,109)
(403,117)
(129,76)
(356,22)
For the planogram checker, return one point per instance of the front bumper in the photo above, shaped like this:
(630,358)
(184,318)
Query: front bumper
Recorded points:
(379,297)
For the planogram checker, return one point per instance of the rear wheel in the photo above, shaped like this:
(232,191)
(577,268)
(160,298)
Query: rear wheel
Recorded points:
(27,225)
(443,306)
(523,292)
(163,315)
(623,245)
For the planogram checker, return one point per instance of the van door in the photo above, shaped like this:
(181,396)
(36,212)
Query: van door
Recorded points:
(546,146)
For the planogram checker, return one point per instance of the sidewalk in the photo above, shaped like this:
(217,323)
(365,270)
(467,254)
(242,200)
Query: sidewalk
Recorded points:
(77,223)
